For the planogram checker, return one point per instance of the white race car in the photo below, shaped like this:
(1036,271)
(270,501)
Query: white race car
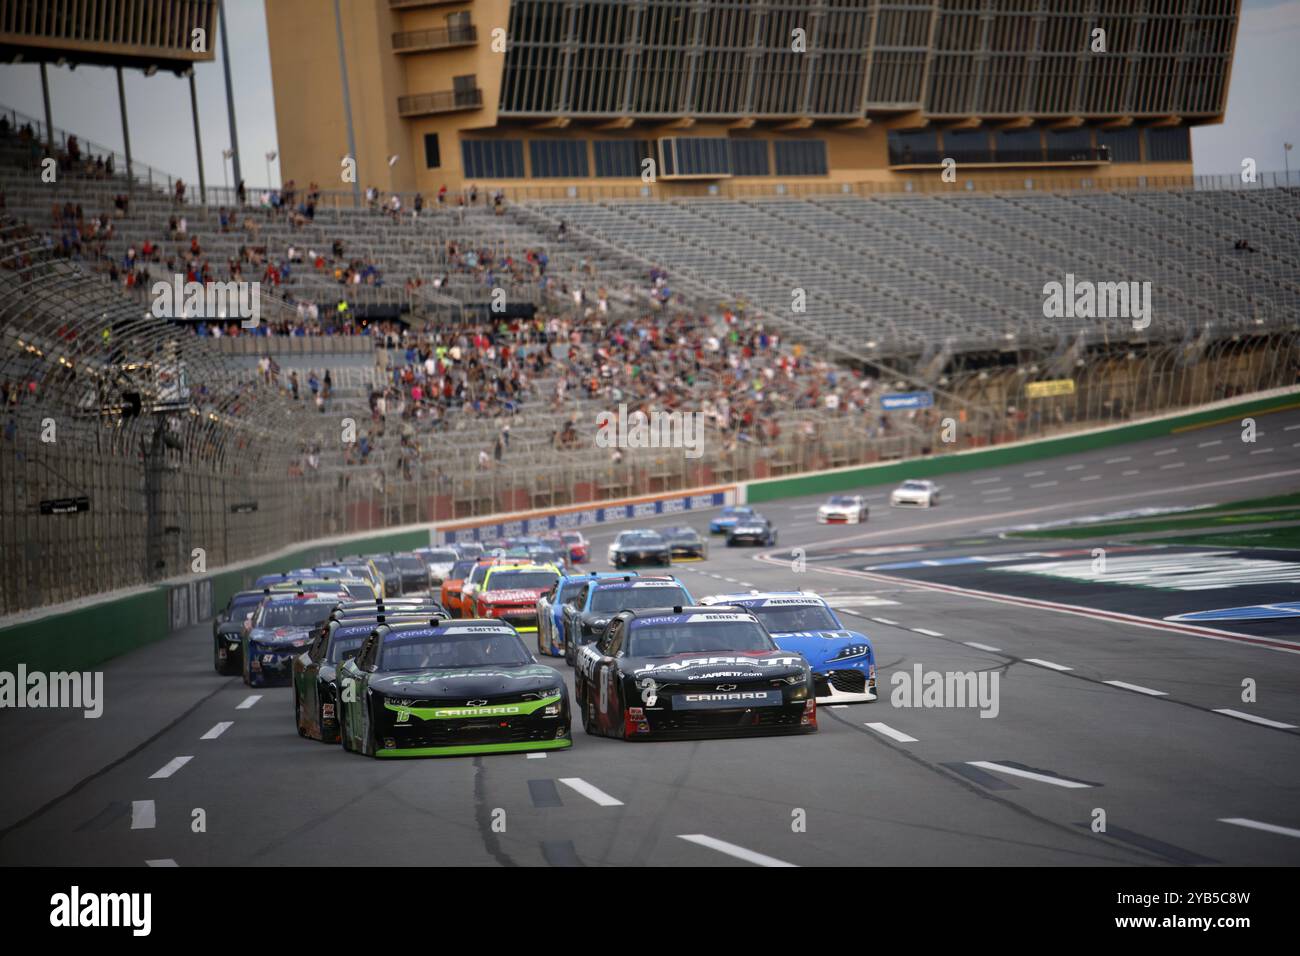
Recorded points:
(924,494)
(843,509)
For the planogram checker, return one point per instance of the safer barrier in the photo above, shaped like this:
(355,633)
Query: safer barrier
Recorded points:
(83,637)
(846,479)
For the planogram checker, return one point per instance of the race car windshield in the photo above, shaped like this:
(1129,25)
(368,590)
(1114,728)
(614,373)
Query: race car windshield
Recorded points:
(345,647)
(736,511)
(440,557)
(842,501)
(796,617)
(664,640)
(641,539)
(511,580)
(293,615)
(683,534)
(384,565)
(471,549)
(479,573)
(358,590)
(453,650)
(410,563)
(571,537)
(460,569)
(914,486)
(613,600)
(570,590)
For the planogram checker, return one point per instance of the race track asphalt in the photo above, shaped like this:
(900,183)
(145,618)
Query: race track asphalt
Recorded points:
(923,786)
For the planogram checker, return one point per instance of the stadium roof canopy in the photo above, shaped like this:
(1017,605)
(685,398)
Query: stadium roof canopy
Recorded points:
(149,36)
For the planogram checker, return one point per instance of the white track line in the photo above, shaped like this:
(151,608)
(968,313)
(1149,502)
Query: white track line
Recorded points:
(1262,451)
(1210,444)
(886,621)
(167,862)
(1165,451)
(1136,688)
(1116,461)
(1044,484)
(593,794)
(1256,825)
(983,647)
(739,852)
(1029,775)
(994,501)
(1131,471)
(921,630)
(888,731)
(985,481)
(1048,664)
(143,815)
(248,702)
(1033,474)
(536,756)
(1074,467)
(1176,464)
(1263,721)
(1219,458)
(218,730)
(170,768)
(1091,478)
(839,706)
(1290,428)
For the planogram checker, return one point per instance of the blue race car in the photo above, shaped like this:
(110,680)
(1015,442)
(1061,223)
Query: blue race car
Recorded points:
(843,662)
(584,619)
(727,518)
(550,608)
(282,626)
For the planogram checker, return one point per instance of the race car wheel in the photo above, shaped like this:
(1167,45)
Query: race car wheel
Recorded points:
(297,713)
(226,667)
(588,718)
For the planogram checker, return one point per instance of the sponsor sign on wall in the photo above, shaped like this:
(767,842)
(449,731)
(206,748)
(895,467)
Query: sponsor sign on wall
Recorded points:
(902,400)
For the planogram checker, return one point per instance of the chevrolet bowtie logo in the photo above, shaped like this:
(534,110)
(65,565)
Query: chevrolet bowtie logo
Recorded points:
(475,703)
(725,687)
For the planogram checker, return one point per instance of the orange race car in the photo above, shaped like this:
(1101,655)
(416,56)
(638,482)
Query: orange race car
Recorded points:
(462,573)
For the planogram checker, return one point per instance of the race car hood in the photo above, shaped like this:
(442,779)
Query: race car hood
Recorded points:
(513,595)
(462,684)
(820,646)
(731,666)
(837,509)
(280,635)
(748,528)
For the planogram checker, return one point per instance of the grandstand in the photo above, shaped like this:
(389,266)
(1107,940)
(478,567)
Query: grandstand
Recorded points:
(423,357)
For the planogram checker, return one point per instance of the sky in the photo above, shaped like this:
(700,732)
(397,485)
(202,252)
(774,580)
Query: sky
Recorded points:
(1263,101)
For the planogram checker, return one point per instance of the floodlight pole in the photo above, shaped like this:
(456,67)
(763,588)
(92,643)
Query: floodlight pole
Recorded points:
(230,94)
(49,122)
(347,106)
(198,140)
(126,131)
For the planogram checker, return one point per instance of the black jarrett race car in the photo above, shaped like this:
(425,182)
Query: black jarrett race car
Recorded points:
(445,688)
(691,672)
